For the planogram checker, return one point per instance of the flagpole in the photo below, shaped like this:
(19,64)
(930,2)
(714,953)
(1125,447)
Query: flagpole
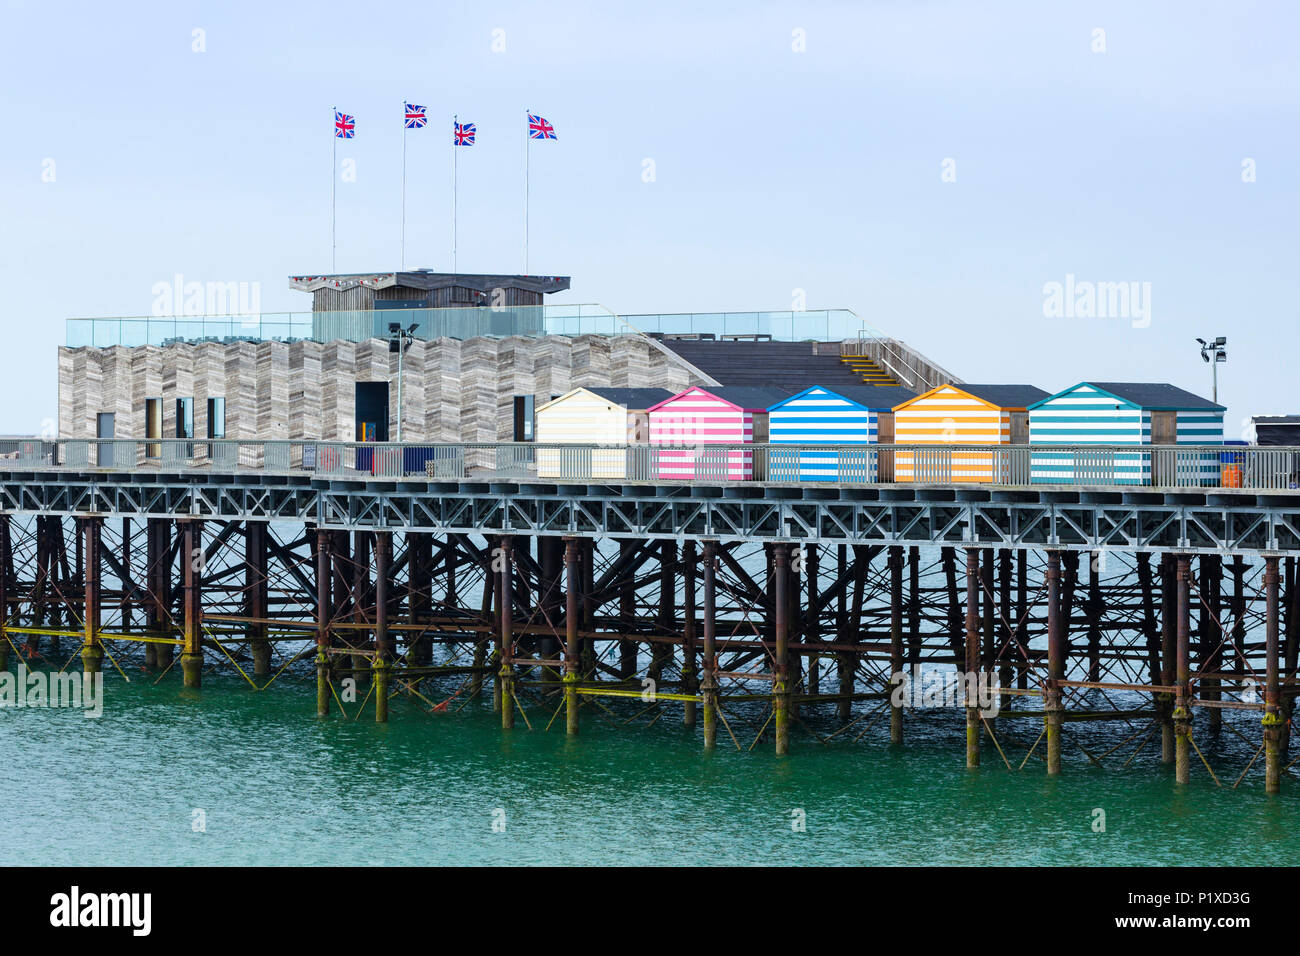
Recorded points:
(455,184)
(527,156)
(334,175)
(403,185)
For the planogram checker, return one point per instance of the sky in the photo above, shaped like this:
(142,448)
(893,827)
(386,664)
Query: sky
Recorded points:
(940,168)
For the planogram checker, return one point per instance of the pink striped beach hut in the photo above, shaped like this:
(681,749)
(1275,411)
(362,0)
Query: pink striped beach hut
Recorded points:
(699,417)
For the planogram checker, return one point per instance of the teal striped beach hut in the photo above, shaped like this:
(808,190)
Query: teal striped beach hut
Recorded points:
(1093,414)
(846,418)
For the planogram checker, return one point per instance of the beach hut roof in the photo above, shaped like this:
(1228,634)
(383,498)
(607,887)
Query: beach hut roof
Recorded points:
(874,397)
(1153,396)
(633,398)
(1006,396)
(744,397)
(998,396)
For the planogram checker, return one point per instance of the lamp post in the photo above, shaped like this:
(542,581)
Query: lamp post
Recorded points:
(1214,353)
(399,340)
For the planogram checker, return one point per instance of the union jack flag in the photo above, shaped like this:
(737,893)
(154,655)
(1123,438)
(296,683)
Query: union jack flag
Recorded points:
(345,126)
(465,134)
(416,117)
(538,128)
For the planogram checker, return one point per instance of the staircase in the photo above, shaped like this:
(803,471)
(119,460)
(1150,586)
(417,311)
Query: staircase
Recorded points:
(866,369)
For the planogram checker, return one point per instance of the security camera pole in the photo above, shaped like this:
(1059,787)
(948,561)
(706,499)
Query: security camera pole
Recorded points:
(399,340)
(1214,353)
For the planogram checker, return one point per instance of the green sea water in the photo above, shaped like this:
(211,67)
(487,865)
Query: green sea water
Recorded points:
(277,786)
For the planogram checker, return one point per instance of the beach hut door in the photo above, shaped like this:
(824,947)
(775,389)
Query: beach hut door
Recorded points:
(1020,428)
(1164,431)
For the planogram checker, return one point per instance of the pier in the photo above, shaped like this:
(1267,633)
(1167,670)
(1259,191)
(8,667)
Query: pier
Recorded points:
(761,612)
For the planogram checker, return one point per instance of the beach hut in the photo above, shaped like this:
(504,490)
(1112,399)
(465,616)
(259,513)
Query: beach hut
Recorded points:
(852,416)
(699,417)
(593,416)
(962,415)
(1093,414)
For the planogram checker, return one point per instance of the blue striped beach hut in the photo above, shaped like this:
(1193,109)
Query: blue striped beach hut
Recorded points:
(1093,414)
(851,416)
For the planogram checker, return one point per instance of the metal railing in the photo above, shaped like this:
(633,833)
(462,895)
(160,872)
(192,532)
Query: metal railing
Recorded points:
(1179,466)
(352,325)
(457,323)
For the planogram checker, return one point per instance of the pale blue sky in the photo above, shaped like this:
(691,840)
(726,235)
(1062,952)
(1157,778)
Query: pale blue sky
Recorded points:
(775,170)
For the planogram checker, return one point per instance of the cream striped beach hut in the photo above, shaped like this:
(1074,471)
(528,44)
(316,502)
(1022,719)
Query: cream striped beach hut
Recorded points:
(956,415)
(699,417)
(593,416)
(1091,416)
(843,422)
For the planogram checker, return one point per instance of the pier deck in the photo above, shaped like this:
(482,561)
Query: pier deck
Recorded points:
(761,609)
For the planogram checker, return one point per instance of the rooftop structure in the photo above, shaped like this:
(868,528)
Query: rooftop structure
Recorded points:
(485,352)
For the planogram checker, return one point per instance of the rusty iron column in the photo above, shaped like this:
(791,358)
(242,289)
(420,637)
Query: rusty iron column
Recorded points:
(1052,696)
(382,662)
(92,651)
(257,584)
(781,650)
(1182,696)
(192,558)
(972,657)
(690,666)
(572,644)
(505,634)
(1272,692)
(897,676)
(708,687)
(323,571)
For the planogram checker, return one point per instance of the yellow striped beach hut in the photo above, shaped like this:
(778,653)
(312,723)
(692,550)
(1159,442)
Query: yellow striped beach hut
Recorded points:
(956,415)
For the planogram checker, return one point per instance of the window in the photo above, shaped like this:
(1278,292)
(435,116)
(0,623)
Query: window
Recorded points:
(523,418)
(153,425)
(185,424)
(216,418)
(184,418)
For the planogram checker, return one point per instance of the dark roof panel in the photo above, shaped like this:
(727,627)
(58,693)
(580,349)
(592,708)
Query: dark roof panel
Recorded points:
(633,398)
(750,397)
(1159,396)
(1006,396)
(878,397)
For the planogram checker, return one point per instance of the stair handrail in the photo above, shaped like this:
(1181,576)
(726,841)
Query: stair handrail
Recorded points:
(668,353)
(885,345)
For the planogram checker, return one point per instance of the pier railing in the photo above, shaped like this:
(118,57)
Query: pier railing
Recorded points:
(1173,466)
